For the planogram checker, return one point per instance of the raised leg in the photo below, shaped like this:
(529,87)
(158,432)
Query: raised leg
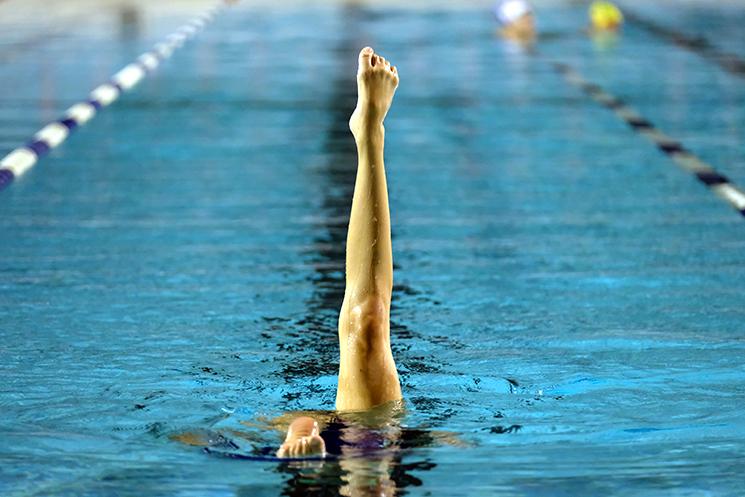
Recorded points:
(367,372)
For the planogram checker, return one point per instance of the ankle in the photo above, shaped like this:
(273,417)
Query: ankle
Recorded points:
(365,128)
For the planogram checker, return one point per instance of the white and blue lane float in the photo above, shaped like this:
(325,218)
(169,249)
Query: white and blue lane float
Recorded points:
(20,160)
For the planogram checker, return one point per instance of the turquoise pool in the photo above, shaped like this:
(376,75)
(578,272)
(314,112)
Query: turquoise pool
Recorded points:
(568,317)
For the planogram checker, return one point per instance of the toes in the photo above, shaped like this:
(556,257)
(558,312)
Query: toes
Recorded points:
(282,452)
(366,58)
(300,448)
(290,449)
(317,445)
(304,446)
(297,448)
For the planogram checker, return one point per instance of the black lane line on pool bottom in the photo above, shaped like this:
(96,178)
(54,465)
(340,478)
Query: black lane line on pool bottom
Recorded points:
(698,45)
(705,173)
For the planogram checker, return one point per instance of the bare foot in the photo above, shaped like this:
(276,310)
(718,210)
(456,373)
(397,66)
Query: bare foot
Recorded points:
(302,439)
(377,81)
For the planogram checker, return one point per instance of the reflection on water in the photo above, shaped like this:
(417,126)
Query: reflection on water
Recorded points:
(604,40)
(130,21)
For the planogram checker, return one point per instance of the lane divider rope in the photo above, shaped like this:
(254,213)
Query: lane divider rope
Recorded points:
(699,45)
(687,160)
(20,160)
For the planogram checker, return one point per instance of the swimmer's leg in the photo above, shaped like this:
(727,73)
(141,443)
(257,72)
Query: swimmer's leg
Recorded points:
(367,372)
(302,439)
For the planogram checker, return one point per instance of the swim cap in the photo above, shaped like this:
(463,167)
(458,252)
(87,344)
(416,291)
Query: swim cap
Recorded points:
(510,11)
(605,15)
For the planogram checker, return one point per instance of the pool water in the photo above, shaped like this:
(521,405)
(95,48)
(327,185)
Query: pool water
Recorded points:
(568,309)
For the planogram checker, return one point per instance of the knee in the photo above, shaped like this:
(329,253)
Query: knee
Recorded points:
(369,314)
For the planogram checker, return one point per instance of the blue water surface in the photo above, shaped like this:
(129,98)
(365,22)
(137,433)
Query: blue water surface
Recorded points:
(568,310)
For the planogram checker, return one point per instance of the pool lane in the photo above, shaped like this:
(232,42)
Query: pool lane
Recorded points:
(705,173)
(169,205)
(700,45)
(713,30)
(541,221)
(21,159)
(161,283)
(48,68)
(685,95)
